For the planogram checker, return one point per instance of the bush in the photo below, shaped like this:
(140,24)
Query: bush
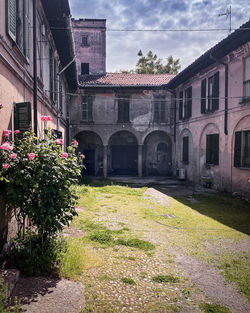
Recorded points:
(34,257)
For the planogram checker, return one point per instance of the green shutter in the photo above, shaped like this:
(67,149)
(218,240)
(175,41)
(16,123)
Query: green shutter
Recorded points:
(208,149)
(11,18)
(215,102)
(237,149)
(189,102)
(26,29)
(185,149)
(181,105)
(203,96)
(215,149)
(22,116)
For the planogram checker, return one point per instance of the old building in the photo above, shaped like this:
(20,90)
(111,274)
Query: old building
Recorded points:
(213,115)
(124,124)
(16,64)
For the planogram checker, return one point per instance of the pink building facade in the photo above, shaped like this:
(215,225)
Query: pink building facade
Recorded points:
(213,116)
(16,65)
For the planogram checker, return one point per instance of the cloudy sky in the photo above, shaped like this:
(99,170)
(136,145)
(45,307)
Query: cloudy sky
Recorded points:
(122,47)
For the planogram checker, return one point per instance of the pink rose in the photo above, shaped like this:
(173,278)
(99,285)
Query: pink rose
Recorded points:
(16,131)
(75,142)
(82,156)
(6,146)
(46,118)
(65,155)
(6,133)
(59,141)
(32,156)
(6,165)
(13,155)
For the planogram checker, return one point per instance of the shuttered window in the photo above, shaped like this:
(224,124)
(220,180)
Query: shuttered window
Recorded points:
(188,102)
(26,29)
(87,108)
(203,96)
(22,116)
(84,68)
(242,149)
(181,105)
(159,109)
(11,17)
(123,109)
(215,94)
(212,149)
(185,149)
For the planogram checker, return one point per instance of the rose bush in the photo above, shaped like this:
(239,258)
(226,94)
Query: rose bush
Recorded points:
(37,177)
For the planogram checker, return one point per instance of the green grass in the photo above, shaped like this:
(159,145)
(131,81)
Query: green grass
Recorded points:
(213,308)
(165,279)
(128,281)
(136,243)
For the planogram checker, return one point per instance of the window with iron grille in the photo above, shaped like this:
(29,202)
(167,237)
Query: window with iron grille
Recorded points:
(159,108)
(242,149)
(212,149)
(85,41)
(185,149)
(87,108)
(247,80)
(123,108)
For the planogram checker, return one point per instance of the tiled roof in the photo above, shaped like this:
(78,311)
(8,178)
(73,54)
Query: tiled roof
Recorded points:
(124,80)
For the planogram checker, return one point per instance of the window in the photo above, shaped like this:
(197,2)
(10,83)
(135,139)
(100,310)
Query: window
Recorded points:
(242,149)
(123,108)
(84,68)
(84,41)
(18,24)
(185,107)
(22,116)
(87,108)
(212,149)
(159,108)
(210,87)
(185,148)
(247,79)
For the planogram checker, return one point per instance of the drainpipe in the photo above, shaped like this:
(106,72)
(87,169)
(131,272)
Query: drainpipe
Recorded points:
(226,93)
(35,65)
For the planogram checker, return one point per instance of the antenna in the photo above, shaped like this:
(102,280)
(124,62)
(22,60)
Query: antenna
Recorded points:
(228,13)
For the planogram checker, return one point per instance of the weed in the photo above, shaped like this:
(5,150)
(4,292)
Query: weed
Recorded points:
(128,281)
(105,278)
(136,243)
(143,275)
(213,308)
(162,308)
(165,279)
(101,236)
(4,299)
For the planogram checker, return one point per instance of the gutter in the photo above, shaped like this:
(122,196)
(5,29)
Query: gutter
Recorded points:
(226,93)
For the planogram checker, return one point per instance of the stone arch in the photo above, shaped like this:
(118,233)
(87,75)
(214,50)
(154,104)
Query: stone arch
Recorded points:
(157,154)
(123,153)
(90,144)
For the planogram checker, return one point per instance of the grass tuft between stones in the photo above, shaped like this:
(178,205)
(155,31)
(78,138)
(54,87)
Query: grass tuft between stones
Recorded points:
(165,279)
(213,308)
(128,281)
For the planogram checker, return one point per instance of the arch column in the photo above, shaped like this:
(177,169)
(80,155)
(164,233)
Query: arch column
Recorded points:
(139,160)
(105,161)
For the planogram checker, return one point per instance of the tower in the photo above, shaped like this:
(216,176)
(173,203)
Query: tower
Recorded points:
(90,45)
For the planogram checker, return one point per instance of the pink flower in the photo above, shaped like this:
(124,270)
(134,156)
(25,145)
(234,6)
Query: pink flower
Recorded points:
(6,146)
(65,155)
(6,133)
(6,165)
(16,131)
(82,156)
(32,156)
(46,118)
(75,142)
(13,155)
(59,141)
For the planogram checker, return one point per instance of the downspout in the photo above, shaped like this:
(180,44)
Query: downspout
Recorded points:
(35,65)
(226,93)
